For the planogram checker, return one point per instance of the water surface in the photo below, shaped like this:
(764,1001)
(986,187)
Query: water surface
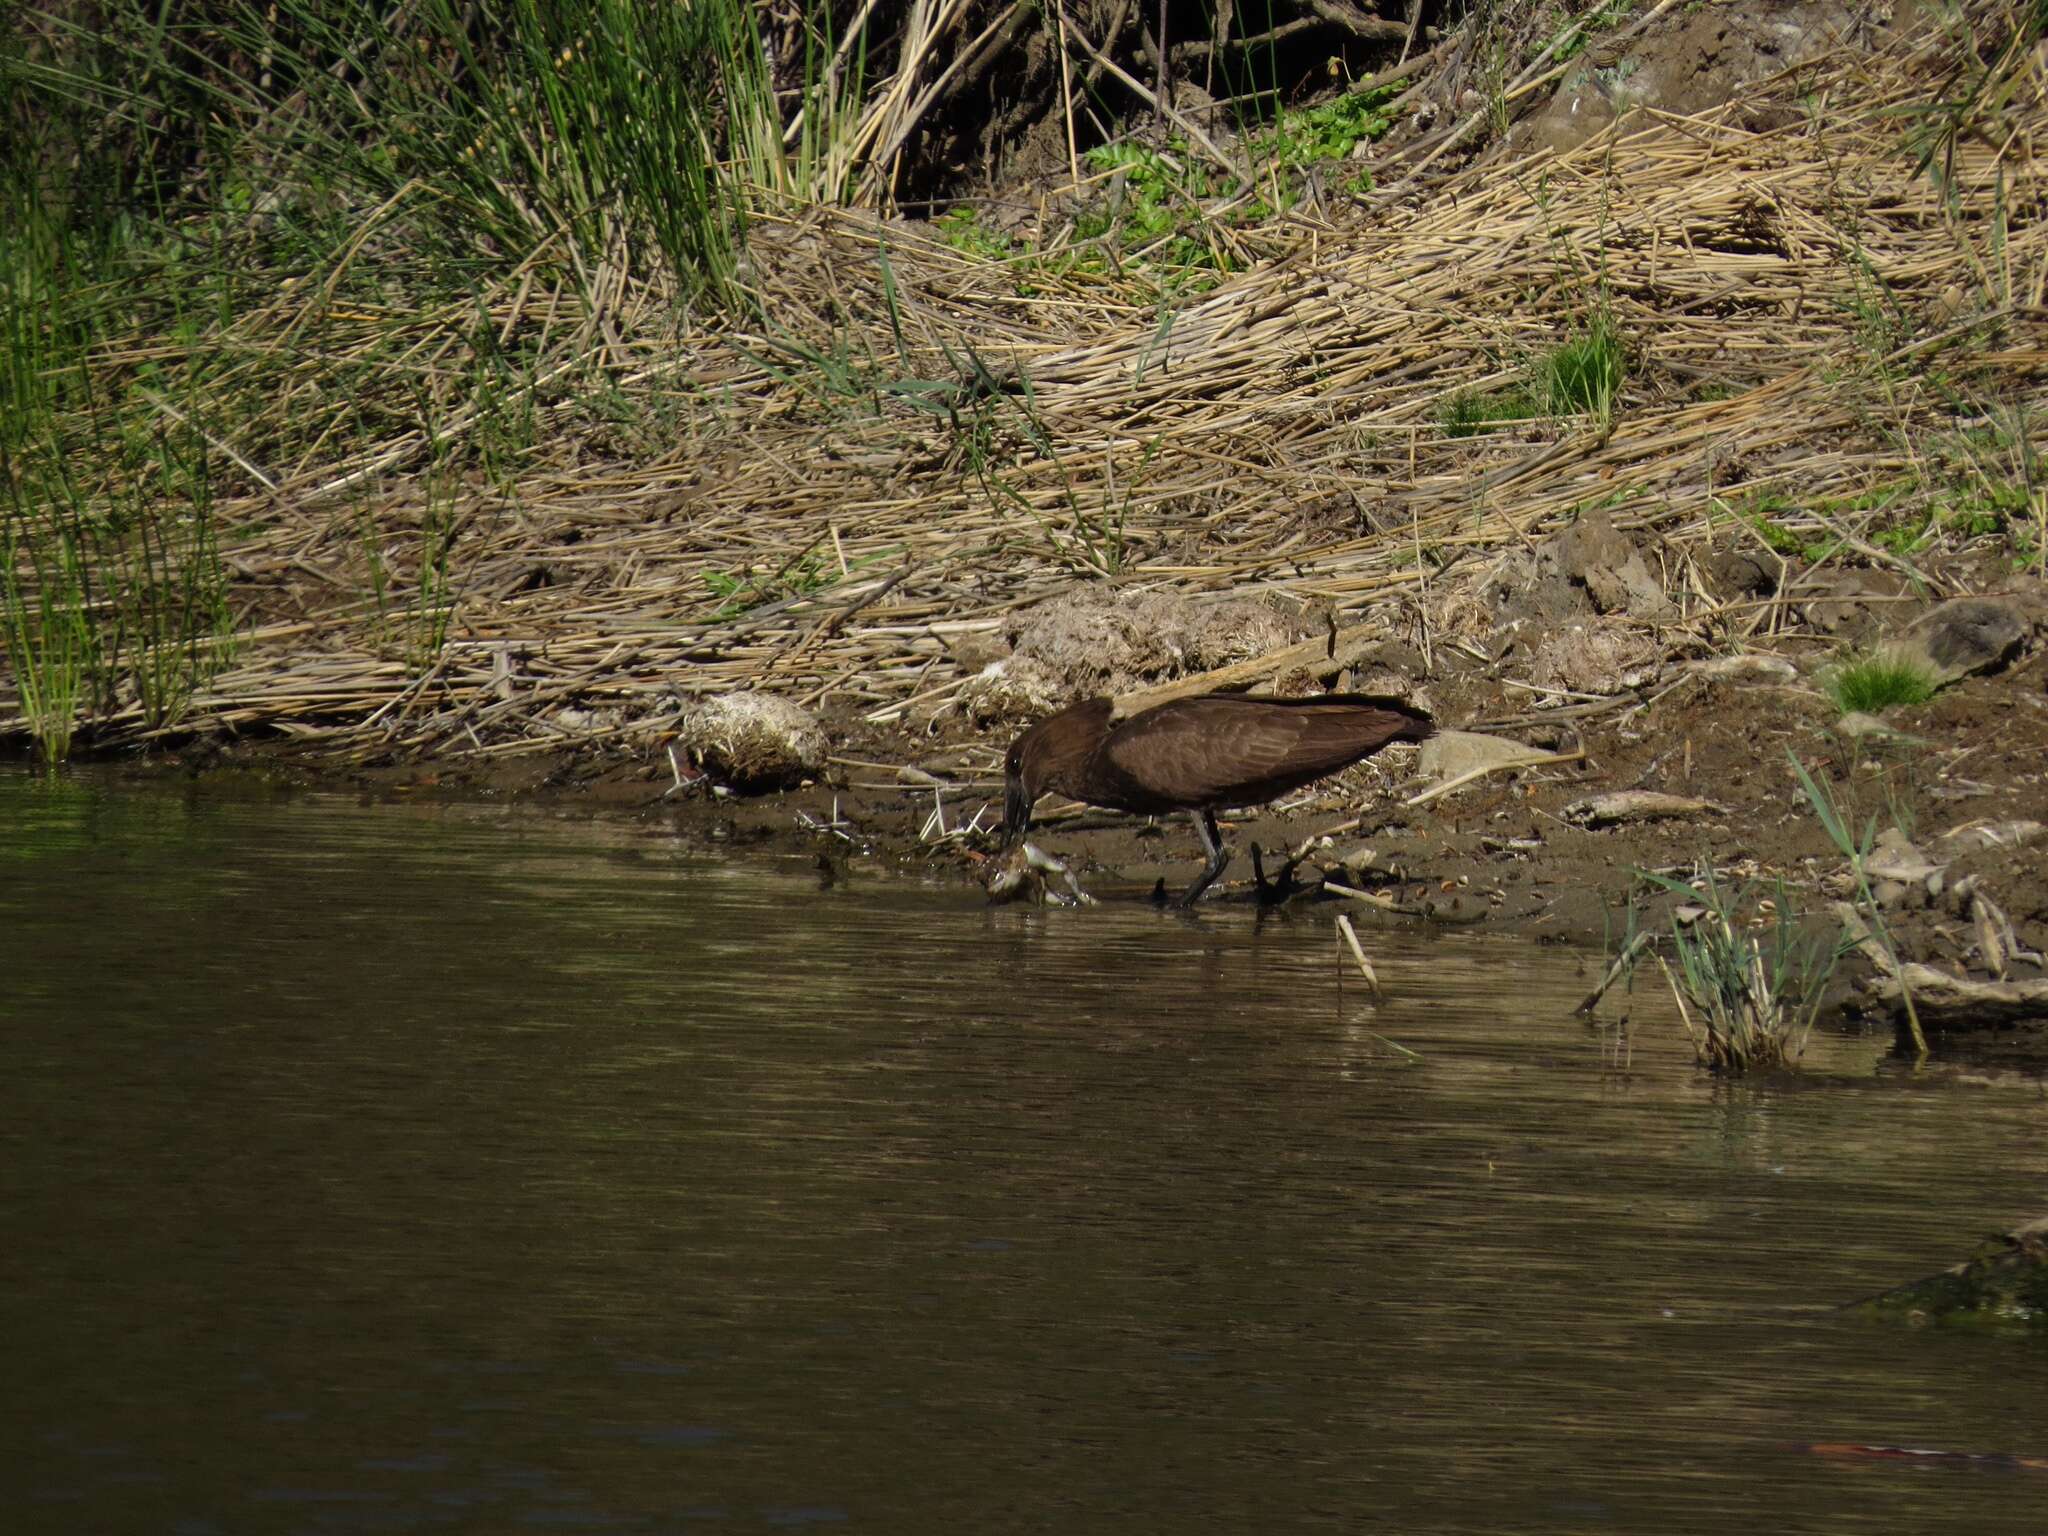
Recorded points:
(395,1168)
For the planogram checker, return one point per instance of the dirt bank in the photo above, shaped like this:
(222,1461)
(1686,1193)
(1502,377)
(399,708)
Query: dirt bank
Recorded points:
(1518,652)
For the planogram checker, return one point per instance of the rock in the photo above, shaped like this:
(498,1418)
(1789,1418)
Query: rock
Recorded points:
(754,741)
(1593,555)
(1625,805)
(1516,585)
(1738,573)
(1964,636)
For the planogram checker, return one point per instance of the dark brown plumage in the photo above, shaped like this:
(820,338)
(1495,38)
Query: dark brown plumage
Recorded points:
(1201,754)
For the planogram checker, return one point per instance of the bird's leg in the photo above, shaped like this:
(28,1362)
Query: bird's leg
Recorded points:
(1212,845)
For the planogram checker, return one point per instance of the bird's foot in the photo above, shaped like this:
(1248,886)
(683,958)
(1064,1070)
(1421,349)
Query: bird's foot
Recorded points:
(1282,888)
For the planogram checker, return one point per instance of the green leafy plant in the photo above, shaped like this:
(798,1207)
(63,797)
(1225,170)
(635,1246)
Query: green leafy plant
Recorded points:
(1329,132)
(432,608)
(1856,850)
(1173,211)
(1573,39)
(961,228)
(737,592)
(51,642)
(1748,997)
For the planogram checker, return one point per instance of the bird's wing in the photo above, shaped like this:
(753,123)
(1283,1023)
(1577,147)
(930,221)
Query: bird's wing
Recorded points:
(1213,751)
(1185,758)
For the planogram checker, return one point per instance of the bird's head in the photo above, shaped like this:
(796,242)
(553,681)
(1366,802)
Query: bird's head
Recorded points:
(1050,756)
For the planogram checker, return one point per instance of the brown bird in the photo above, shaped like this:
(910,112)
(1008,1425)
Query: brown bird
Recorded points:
(1200,754)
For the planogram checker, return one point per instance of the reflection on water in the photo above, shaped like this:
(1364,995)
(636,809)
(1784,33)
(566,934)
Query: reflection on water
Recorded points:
(396,1169)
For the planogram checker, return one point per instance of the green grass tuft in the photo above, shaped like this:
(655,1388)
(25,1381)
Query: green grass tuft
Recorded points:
(1748,989)
(1469,412)
(1584,374)
(1871,684)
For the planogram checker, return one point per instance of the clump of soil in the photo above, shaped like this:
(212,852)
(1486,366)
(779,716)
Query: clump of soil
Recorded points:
(1096,640)
(754,741)
(1700,59)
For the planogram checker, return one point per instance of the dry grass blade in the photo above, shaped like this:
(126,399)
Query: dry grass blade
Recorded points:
(956,438)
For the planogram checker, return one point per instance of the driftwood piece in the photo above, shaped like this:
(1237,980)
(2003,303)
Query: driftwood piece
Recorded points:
(1623,962)
(1362,24)
(1956,1002)
(1626,805)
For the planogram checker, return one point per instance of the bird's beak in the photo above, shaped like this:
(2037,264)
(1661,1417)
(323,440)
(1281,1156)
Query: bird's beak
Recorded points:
(1016,811)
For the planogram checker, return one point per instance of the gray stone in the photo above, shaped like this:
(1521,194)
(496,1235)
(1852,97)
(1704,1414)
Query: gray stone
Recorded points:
(1965,636)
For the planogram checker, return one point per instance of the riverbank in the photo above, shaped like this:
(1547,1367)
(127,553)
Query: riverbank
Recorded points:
(1685,768)
(1619,438)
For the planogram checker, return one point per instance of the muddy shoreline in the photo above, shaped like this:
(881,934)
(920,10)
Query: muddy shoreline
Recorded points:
(1508,853)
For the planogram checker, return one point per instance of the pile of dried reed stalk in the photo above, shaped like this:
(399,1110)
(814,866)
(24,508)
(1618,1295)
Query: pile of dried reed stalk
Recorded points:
(1801,306)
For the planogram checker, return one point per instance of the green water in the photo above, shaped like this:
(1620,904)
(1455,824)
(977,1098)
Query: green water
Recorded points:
(409,1169)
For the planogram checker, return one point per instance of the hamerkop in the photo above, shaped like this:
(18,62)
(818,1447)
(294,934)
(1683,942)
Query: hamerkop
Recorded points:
(1201,754)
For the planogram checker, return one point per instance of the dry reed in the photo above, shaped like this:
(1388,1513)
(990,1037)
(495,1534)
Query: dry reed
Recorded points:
(1278,433)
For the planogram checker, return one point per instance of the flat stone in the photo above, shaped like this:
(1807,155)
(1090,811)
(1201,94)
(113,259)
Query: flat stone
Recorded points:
(1448,754)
